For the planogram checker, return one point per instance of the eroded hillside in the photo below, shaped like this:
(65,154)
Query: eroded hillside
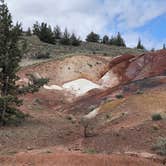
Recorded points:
(121,94)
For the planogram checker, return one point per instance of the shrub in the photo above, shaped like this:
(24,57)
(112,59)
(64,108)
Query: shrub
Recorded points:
(75,41)
(90,151)
(156,117)
(139,92)
(160,146)
(119,96)
(40,55)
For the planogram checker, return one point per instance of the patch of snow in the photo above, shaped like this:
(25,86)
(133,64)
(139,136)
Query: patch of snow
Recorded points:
(53,87)
(80,87)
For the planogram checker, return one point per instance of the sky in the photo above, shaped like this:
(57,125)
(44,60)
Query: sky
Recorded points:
(144,19)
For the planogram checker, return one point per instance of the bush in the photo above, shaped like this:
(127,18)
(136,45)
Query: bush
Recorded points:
(119,96)
(74,40)
(160,146)
(90,151)
(156,117)
(93,37)
(40,55)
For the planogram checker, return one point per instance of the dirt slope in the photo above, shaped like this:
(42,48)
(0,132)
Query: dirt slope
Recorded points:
(74,159)
(123,126)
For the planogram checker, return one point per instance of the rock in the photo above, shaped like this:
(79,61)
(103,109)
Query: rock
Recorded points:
(29,148)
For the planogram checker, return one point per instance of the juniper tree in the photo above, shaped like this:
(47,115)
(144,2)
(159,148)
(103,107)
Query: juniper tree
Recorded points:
(28,32)
(120,41)
(10,56)
(57,32)
(65,40)
(75,41)
(140,45)
(105,39)
(93,37)
(44,32)
(117,40)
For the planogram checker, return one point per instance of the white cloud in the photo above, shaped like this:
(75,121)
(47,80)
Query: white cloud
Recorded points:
(147,40)
(134,13)
(83,16)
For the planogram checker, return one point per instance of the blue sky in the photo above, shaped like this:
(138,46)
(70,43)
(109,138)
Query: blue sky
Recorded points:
(133,18)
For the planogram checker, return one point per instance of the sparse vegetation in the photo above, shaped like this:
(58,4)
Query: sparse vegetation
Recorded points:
(41,55)
(90,151)
(160,146)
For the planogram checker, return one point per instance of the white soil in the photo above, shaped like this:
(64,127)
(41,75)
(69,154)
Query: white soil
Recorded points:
(53,87)
(80,87)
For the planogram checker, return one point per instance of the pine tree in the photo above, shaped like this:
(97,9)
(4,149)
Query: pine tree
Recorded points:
(139,45)
(74,40)
(93,37)
(44,32)
(117,40)
(105,39)
(29,33)
(36,29)
(120,40)
(10,56)
(111,41)
(65,40)
(57,32)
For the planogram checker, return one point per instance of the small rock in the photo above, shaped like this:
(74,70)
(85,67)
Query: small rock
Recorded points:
(29,148)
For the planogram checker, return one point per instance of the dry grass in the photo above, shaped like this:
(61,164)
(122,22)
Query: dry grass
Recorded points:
(34,45)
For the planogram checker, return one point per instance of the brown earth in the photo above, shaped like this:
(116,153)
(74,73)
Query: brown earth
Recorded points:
(73,159)
(122,128)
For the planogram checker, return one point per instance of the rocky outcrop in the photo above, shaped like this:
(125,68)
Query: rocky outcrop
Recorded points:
(130,68)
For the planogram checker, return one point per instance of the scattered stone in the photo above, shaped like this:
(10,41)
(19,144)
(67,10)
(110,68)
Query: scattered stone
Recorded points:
(29,148)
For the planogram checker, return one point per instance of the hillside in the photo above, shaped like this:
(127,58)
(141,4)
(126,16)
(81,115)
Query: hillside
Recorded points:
(58,51)
(118,89)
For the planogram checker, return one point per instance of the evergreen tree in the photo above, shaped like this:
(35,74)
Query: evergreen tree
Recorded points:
(111,41)
(119,41)
(29,33)
(164,47)
(93,37)
(36,29)
(65,40)
(105,39)
(74,40)
(57,32)
(10,56)
(44,32)
(139,45)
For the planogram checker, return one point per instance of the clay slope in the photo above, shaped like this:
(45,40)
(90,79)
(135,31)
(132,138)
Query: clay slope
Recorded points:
(72,68)
(127,67)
